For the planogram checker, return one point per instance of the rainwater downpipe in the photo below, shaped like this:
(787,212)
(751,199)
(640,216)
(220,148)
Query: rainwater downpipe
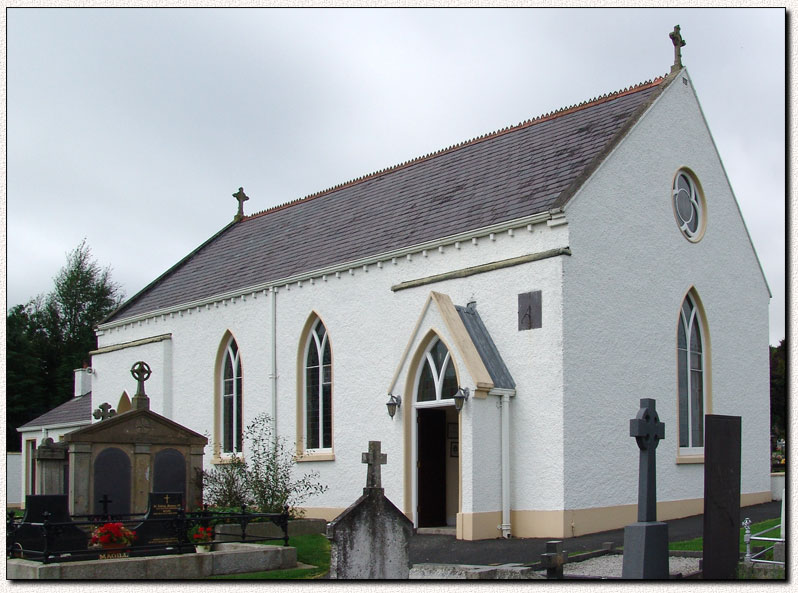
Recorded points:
(506,394)
(273,374)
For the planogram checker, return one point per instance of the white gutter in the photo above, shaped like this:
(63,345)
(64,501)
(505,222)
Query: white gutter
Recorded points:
(506,394)
(273,374)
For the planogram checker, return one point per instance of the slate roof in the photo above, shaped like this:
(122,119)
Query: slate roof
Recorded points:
(76,409)
(510,174)
(498,371)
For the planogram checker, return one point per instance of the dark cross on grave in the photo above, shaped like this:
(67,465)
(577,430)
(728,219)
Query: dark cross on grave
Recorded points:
(105,501)
(648,431)
(678,44)
(241,197)
(104,412)
(374,459)
(141,372)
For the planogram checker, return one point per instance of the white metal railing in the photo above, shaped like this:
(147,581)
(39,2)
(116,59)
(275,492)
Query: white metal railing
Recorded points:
(748,538)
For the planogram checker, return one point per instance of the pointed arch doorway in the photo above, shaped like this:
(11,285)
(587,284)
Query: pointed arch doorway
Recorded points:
(436,489)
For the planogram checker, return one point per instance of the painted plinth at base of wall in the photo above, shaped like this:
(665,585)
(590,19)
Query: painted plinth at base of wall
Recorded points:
(645,550)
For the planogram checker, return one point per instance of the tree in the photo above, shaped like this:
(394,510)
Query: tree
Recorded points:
(50,336)
(778,390)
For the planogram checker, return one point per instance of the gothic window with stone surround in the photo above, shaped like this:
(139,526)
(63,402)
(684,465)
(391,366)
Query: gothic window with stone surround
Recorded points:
(232,393)
(318,390)
(691,370)
(438,379)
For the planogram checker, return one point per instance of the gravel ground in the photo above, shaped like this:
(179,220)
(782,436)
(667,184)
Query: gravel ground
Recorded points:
(611,565)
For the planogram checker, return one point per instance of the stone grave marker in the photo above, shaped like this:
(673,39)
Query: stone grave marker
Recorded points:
(371,539)
(722,451)
(645,543)
(52,467)
(53,508)
(159,526)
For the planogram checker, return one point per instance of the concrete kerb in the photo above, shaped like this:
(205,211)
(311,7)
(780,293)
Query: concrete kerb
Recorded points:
(225,558)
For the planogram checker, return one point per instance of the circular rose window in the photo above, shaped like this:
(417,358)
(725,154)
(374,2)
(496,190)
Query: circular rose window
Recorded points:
(688,205)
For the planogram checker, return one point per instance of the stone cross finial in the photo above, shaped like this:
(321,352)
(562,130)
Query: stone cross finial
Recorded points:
(241,197)
(648,431)
(104,412)
(141,372)
(374,459)
(678,44)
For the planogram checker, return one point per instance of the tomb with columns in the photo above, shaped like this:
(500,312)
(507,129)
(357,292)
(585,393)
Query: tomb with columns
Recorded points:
(115,464)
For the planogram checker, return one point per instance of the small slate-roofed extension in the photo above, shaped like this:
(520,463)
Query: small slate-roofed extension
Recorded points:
(76,409)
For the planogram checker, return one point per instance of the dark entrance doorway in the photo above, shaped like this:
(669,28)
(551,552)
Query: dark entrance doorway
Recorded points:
(431,467)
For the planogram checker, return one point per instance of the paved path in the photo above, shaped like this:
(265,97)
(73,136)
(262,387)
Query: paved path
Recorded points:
(445,549)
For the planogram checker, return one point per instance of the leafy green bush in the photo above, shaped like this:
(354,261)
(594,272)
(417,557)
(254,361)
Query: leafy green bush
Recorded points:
(264,477)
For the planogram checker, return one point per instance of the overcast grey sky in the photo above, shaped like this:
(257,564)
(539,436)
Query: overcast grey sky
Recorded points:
(133,127)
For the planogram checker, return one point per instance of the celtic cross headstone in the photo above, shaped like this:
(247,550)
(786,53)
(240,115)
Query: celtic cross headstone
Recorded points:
(645,543)
(648,432)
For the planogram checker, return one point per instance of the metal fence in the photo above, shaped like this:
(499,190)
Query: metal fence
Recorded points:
(52,541)
(748,538)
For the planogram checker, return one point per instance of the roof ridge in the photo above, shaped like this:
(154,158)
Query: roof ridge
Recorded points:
(476,140)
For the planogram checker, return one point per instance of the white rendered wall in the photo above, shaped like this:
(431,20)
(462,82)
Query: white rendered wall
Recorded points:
(623,287)
(369,327)
(114,376)
(14,478)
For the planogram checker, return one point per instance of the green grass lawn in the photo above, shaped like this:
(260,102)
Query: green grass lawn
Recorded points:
(311,549)
(697,544)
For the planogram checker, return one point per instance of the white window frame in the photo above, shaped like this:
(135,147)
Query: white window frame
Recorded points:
(696,198)
(236,395)
(695,318)
(313,339)
(437,376)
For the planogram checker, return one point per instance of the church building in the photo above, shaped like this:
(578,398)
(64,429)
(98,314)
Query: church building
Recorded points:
(492,313)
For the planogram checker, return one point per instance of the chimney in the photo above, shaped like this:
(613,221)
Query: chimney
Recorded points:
(83,381)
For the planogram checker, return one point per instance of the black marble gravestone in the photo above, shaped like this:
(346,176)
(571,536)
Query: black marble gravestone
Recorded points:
(62,535)
(112,481)
(161,525)
(722,440)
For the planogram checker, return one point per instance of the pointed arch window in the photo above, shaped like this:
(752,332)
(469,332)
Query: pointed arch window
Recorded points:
(232,395)
(692,377)
(318,389)
(438,379)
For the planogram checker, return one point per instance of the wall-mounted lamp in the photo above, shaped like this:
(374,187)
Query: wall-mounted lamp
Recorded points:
(460,397)
(394,402)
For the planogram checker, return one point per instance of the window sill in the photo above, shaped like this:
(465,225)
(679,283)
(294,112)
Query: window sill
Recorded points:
(315,457)
(685,459)
(226,459)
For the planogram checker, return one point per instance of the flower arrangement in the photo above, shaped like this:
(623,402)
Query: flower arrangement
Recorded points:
(200,535)
(112,533)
